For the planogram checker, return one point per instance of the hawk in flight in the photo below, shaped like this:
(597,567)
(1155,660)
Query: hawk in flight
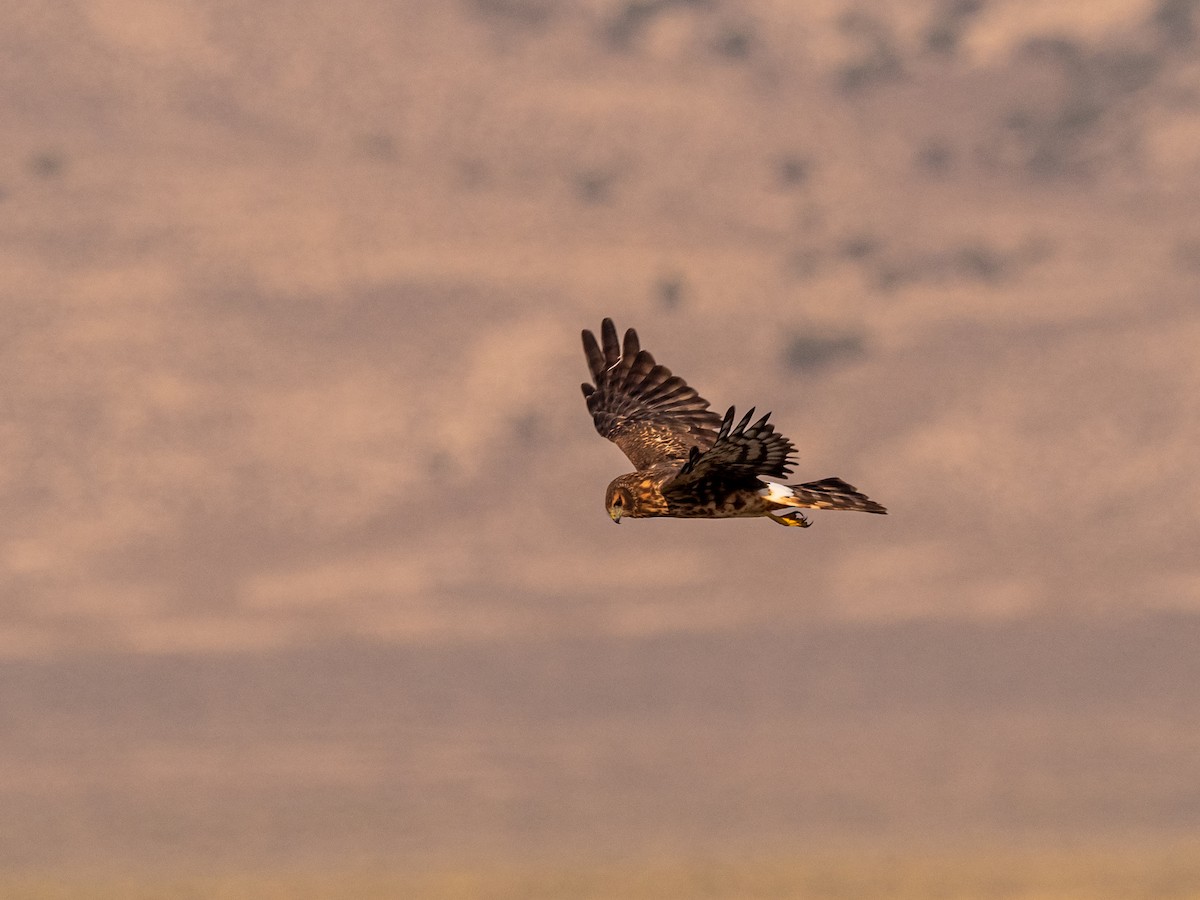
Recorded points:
(690,462)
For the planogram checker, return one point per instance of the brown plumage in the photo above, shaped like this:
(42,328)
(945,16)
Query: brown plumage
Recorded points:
(690,462)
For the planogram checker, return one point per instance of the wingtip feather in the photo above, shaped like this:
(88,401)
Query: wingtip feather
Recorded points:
(632,346)
(612,346)
(595,358)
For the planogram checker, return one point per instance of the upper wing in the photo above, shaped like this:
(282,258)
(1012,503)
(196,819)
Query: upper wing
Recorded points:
(652,415)
(740,452)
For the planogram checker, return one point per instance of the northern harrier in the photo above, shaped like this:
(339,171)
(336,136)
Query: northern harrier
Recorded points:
(690,462)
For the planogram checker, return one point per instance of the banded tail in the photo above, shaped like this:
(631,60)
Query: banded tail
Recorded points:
(828,493)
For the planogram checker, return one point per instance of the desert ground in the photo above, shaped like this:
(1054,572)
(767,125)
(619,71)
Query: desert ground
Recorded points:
(307,587)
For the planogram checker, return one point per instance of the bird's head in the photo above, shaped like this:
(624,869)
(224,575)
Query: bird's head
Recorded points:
(620,500)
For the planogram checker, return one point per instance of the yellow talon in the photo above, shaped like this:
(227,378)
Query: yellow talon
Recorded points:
(795,520)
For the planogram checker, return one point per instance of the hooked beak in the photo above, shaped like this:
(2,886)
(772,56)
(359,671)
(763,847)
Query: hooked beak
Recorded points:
(615,514)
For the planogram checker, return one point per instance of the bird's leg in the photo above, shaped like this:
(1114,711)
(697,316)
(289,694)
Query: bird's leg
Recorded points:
(794,519)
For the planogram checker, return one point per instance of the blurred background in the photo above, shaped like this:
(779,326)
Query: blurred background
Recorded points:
(305,571)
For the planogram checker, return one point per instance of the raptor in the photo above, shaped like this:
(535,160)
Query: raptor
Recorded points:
(689,461)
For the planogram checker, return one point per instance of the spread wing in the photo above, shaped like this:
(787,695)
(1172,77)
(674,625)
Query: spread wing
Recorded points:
(653,416)
(741,452)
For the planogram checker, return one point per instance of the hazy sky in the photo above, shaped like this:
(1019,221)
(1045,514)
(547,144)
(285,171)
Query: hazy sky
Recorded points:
(291,360)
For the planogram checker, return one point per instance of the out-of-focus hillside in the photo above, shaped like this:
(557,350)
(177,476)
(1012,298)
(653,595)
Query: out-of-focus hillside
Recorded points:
(292,295)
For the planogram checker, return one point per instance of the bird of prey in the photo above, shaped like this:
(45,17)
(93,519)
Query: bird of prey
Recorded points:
(690,462)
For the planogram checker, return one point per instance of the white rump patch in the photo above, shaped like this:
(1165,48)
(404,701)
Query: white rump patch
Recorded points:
(776,492)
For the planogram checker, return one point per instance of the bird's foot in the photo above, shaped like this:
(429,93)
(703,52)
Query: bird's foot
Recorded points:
(793,519)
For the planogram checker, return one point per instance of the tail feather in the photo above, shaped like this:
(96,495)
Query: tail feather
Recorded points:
(828,493)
